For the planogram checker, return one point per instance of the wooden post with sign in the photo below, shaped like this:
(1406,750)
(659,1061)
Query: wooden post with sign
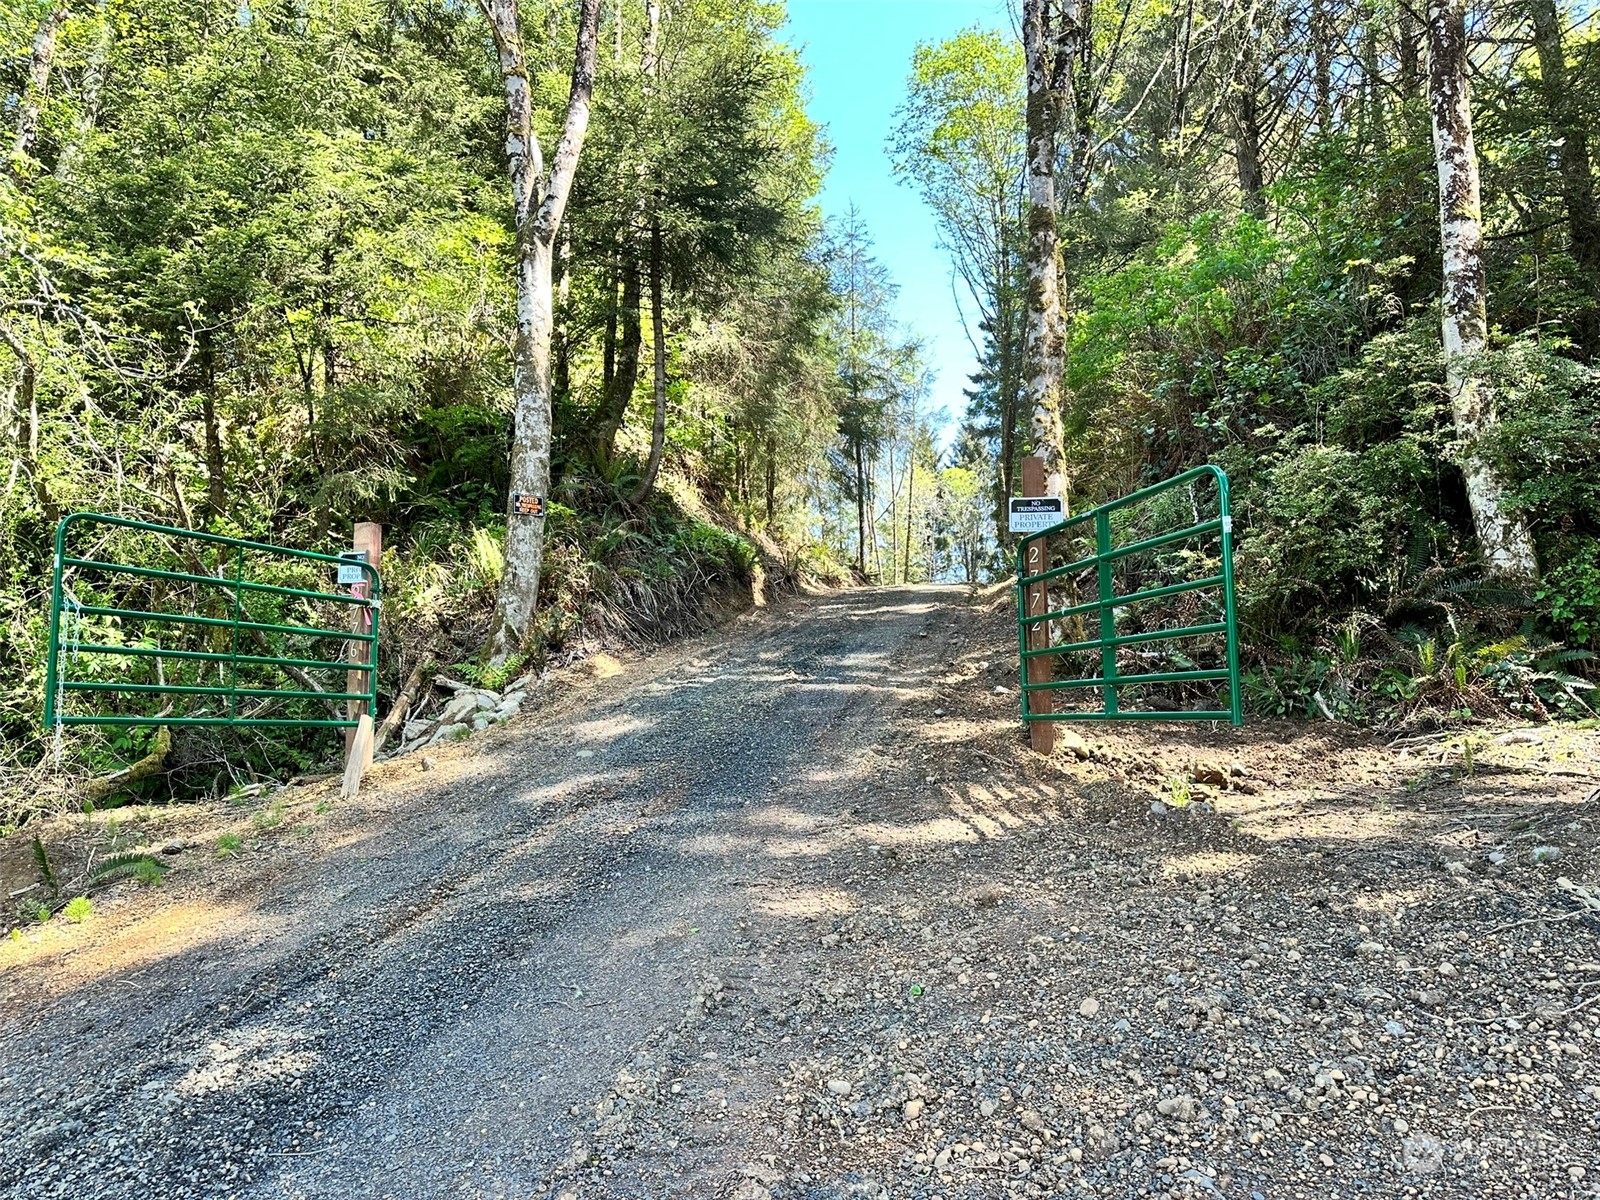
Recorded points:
(358,741)
(1041,734)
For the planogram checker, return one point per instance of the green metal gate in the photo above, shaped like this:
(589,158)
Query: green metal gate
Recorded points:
(1108,605)
(214,669)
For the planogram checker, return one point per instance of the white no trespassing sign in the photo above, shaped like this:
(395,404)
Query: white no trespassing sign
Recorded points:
(1030,514)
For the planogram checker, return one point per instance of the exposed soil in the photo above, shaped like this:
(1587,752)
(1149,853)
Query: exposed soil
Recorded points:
(789,911)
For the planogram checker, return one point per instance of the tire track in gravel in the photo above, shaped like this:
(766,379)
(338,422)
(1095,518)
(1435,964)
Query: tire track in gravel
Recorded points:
(427,1010)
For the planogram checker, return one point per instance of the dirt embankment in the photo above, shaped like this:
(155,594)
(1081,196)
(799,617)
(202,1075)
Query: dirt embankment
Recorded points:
(788,911)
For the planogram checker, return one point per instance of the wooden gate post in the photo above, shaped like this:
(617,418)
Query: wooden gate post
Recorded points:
(358,741)
(1041,734)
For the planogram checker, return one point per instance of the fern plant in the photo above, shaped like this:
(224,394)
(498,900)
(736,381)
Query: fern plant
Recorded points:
(146,868)
(47,874)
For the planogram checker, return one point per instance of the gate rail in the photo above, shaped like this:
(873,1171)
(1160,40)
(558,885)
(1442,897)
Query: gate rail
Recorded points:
(1107,602)
(64,650)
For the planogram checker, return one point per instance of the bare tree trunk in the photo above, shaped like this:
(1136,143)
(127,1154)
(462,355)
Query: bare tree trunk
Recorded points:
(894,520)
(1247,131)
(622,373)
(624,376)
(772,477)
(29,110)
(1407,43)
(1049,33)
(539,201)
(861,511)
(911,505)
(1322,67)
(561,368)
(1010,386)
(658,336)
(1463,301)
(28,448)
(874,517)
(608,353)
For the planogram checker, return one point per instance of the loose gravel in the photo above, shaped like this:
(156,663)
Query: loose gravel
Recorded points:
(789,912)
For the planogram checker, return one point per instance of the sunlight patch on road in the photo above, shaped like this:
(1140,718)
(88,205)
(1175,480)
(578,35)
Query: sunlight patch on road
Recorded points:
(782,816)
(608,729)
(252,1057)
(1214,862)
(801,903)
(115,948)
(1391,902)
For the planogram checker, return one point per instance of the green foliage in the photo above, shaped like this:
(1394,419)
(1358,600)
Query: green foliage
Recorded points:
(270,300)
(78,909)
(267,818)
(1570,590)
(1547,445)
(718,546)
(41,862)
(229,845)
(145,868)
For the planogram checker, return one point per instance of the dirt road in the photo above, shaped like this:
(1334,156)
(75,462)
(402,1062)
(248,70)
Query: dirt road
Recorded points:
(787,911)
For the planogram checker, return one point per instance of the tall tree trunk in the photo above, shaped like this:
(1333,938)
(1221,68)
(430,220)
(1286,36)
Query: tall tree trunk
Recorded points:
(1246,114)
(1321,66)
(624,377)
(608,353)
(894,518)
(911,505)
(861,510)
(658,338)
(561,368)
(772,478)
(1049,32)
(650,68)
(1374,131)
(1010,384)
(28,445)
(31,107)
(1407,45)
(1566,123)
(873,518)
(539,201)
(1463,301)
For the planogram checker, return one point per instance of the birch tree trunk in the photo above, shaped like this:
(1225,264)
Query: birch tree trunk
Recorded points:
(41,58)
(539,201)
(1463,302)
(1049,30)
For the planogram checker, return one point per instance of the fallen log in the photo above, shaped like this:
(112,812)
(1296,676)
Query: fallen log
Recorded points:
(151,764)
(402,702)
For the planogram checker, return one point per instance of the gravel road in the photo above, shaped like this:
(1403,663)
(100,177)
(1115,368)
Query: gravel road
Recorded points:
(788,912)
(420,1001)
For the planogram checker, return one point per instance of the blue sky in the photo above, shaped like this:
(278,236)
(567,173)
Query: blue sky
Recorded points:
(858,54)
